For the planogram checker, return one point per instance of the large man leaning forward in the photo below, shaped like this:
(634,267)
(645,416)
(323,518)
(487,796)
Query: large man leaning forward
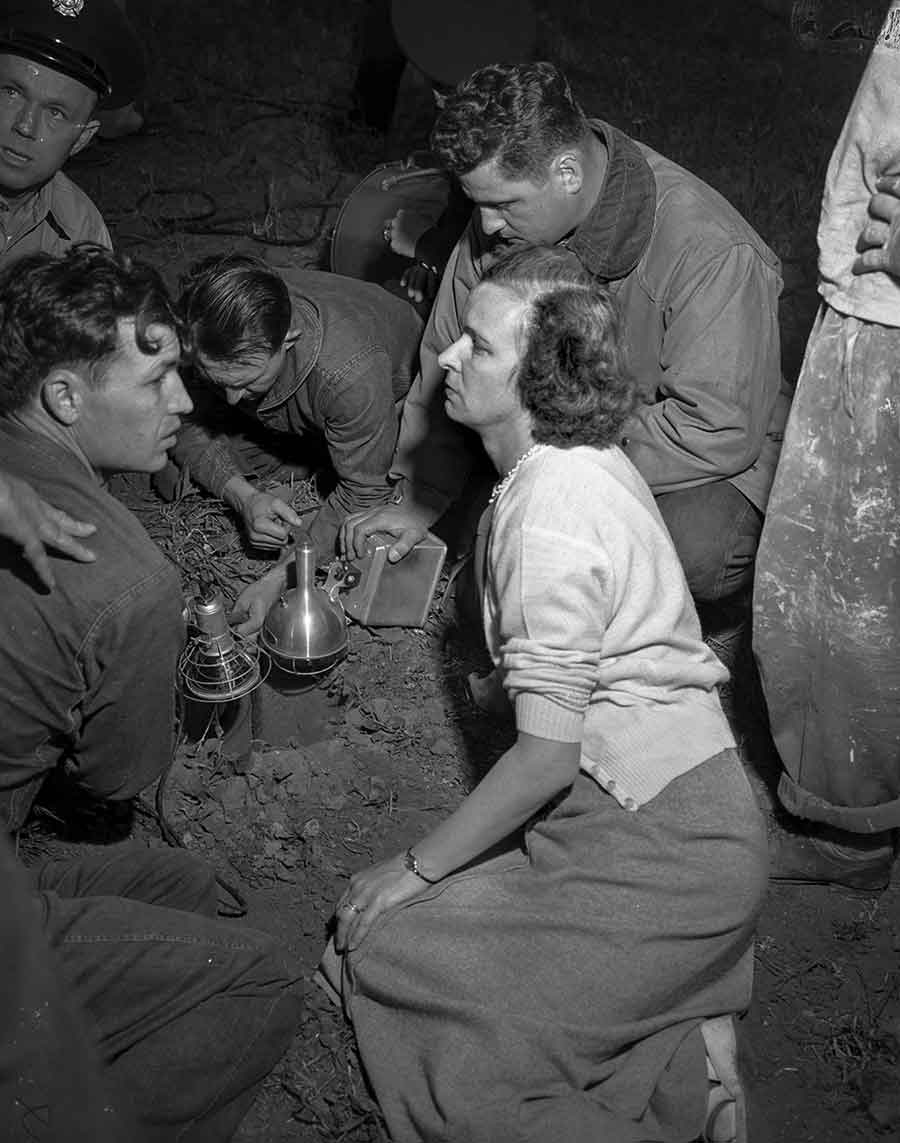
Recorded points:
(697,289)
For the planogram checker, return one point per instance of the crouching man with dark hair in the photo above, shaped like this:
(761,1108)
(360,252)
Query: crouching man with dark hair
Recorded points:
(312,363)
(187,1014)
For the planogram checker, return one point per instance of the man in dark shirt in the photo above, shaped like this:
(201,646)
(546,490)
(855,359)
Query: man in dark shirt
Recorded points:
(88,669)
(116,957)
(309,358)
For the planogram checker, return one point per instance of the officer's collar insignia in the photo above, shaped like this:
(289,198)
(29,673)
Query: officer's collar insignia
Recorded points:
(67,7)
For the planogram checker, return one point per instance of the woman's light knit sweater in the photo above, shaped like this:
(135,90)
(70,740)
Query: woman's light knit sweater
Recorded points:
(589,620)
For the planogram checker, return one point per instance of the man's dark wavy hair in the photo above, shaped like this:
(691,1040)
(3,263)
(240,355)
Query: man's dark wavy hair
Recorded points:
(520,115)
(571,377)
(234,307)
(64,312)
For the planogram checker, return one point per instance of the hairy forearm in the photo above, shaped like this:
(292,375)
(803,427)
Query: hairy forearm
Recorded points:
(527,776)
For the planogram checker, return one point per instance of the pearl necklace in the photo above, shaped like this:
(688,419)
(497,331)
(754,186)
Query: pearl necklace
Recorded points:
(502,485)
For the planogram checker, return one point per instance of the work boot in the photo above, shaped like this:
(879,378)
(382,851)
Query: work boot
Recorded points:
(862,862)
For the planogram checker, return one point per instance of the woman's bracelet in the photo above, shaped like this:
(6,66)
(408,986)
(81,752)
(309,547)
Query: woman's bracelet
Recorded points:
(412,864)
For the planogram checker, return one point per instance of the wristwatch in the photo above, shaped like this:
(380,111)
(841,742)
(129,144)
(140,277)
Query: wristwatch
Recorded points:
(411,862)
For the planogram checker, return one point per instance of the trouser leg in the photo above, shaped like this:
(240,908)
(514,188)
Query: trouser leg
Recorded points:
(715,530)
(190,1013)
(168,877)
(16,802)
(826,620)
(52,1086)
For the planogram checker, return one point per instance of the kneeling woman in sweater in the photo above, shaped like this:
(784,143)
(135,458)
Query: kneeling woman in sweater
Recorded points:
(557,991)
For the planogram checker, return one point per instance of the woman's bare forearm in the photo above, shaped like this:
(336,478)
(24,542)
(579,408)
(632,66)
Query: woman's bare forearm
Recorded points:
(524,779)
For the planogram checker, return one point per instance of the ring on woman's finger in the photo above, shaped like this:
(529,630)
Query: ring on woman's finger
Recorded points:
(386,234)
(353,907)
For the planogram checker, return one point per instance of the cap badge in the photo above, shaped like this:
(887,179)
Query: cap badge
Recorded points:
(67,7)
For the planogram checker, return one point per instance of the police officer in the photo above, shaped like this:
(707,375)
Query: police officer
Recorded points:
(59,61)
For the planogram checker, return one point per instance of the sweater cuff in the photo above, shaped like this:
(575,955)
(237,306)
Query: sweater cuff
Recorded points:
(540,716)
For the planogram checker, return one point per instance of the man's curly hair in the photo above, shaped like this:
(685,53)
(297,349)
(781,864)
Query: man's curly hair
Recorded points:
(520,115)
(65,312)
(571,377)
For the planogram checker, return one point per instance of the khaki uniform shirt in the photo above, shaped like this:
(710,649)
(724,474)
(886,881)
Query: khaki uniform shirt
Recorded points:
(50,220)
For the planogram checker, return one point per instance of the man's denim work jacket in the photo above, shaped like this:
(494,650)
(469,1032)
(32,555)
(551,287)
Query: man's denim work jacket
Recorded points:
(697,290)
(87,669)
(341,381)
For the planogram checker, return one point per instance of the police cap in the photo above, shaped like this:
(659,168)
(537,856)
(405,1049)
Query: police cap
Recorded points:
(449,41)
(90,40)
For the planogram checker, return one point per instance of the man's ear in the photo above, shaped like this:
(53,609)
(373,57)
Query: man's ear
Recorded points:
(62,395)
(88,131)
(568,171)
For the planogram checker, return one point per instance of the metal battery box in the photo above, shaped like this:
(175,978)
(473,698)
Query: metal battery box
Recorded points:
(380,594)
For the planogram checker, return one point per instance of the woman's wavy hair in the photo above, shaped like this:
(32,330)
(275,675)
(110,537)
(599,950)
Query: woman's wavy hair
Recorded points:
(571,377)
(65,312)
(519,115)
(233,307)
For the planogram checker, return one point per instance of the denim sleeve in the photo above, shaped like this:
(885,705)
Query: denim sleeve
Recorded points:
(204,450)
(721,374)
(356,410)
(125,723)
(51,1078)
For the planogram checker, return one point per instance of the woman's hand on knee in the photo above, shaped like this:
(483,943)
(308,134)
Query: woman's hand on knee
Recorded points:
(371,893)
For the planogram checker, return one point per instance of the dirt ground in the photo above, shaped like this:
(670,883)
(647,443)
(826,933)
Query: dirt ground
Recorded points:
(250,146)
